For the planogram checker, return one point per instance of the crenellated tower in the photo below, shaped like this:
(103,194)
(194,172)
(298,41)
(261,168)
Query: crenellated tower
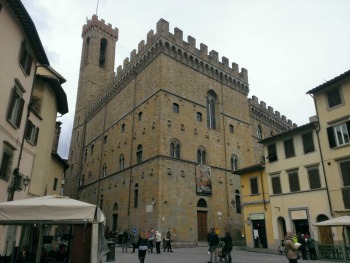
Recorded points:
(97,61)
(96,75)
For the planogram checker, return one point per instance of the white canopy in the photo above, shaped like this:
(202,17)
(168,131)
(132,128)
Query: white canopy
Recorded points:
(337,221)
(49,209)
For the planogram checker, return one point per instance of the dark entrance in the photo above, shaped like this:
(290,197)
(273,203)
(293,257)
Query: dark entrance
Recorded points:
(302,226)
(259,230)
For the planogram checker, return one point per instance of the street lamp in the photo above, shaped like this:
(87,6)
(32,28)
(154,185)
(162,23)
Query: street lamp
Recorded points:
(15,184)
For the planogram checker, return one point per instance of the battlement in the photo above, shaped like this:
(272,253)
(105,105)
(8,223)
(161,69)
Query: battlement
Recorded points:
(174,46)
(180,48)
(269,112)
(100,24)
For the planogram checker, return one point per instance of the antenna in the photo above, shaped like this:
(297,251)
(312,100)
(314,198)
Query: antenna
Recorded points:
(97,6)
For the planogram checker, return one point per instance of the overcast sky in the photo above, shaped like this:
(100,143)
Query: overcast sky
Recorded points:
(288,47)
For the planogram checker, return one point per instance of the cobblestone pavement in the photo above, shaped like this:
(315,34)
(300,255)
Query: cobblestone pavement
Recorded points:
(200,255)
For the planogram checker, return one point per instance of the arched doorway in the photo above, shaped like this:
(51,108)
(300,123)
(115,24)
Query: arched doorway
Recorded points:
(202,220)
(324,231)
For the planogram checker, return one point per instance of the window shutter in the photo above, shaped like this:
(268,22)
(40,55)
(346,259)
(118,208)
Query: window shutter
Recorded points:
(27,130)
(12,103)
(331,138)
(19,114)
(36,135)
(23,53)
(29,65)
(348,126)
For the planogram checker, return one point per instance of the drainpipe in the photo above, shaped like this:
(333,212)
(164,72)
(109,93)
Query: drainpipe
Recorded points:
(318,129)
(263,191)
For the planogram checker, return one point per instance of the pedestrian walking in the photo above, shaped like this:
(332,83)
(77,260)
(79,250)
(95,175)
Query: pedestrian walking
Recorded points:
(158,238)
(151,238)
(228,246)
(126,239)
(291,251)
(135,239)
(312,248)
(142,244)
(168,242)
(213,244)
(302,248)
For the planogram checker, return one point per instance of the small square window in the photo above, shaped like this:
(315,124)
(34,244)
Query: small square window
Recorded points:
(294,181)
(175,108)
(272,153)
(140,116)
(276,185)
(26,58)
(231,128)
(289,148)
(31,133)
(123,127)
(254,186)
(308,142)
(334,97)
(199,116)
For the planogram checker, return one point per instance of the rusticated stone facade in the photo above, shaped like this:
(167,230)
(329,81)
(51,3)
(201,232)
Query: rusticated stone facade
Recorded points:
(155,145)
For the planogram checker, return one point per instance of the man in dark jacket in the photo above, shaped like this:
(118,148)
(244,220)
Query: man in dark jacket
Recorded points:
(213,246)
(228,246)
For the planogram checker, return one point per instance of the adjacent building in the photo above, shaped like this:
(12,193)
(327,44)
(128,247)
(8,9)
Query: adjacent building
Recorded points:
(31,97)
(332,103)
(258,229)
(295,174)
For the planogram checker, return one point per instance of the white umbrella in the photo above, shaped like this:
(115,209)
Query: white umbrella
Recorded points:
(337,221)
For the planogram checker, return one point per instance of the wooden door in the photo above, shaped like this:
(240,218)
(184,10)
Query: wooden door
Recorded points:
(326,235)
(202,225)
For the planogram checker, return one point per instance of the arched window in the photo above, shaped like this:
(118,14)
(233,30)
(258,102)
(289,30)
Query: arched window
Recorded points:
(92,149)
(211,110)
(201,155)
(234,162)
(103,47)
(175,149)
(86,52)
(139,153)
(259,133)
(105,139)
(238,202)
(82,181)
(101,202)
(202,203)
(139,116)
(121,162)
(175,107)
(136,195)
(104,170)
(115,206)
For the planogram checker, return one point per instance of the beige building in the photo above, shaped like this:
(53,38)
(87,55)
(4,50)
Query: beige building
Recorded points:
(31,97)
(332,102)
(296,183)
(155,145)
